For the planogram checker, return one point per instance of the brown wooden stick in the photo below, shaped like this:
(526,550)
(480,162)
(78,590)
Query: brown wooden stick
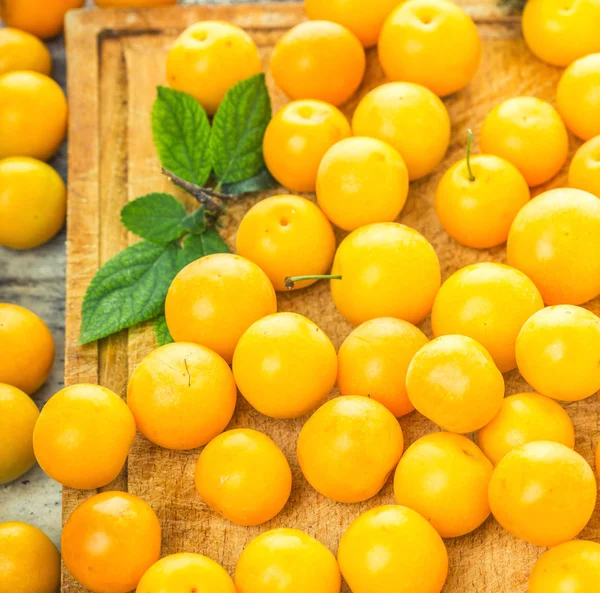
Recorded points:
(205,195)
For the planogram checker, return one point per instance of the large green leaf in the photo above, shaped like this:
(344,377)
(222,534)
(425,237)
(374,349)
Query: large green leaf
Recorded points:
(181,132)
(163,335)
(195,222)
(128,289)
(157,217)
(262,180)
(238,130)
(197,246)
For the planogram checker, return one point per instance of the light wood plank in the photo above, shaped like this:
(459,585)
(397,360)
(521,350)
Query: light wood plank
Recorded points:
(112,160)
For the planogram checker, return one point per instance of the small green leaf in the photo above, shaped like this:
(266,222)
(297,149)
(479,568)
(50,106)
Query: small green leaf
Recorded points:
(156,217)
(238,130)
(263,180)
(195,222)
(163,335)
(128,289)
(197,246)
(181,132)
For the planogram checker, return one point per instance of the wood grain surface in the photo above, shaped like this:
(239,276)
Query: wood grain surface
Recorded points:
(116,59)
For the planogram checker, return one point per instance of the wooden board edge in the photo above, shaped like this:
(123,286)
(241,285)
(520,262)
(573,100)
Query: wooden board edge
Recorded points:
(85,31)
(115,20)
(81,362)
(83,197)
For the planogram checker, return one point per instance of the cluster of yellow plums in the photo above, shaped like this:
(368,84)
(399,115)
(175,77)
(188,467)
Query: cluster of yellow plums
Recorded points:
(385,278)
(182,396)
(487,319)
(45,18)
(33,124)
(33,119)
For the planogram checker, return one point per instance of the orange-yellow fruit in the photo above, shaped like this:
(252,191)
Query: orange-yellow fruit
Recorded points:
(83,436)
(558,352)
(18,415)
(286,236)
(454,382)
(555,240)
(530,134)
(243,475)
(296,139)
(392,549)
(479,213)
(284,365)
(29,561)
(559,33)
(348,448)
(488,302)
(208,58)
(584,171)
(182,395)
(185,572)
(286,561)
(215,299)
(524,418)
(33,202)
(374,358)
(543,492)
(133,3)
(387,270)
(110,541)
(572,566)
(27,348)
(362,17)
(445,477)
(20,50)
(431,42)
(577,96)
(33,115)
(308,60)
(361,181)
(409,117)
(42,18)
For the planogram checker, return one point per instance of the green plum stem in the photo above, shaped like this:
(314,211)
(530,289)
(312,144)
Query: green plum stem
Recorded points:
(290,281)
(469,144)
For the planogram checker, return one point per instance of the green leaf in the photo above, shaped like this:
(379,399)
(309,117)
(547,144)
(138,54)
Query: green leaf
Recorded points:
(197,246)
(156,217)
(128,289)
(181,134)
(163,335)
(263,180)
(238,130)
(195,222)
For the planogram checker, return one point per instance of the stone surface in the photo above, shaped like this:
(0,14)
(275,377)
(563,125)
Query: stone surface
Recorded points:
(36,279)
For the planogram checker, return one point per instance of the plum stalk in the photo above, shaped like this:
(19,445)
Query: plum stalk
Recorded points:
(290,281)
(469,144)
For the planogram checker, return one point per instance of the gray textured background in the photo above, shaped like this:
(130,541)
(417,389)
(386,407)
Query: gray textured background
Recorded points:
(36,279)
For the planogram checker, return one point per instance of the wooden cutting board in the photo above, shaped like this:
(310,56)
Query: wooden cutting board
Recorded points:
(115,61)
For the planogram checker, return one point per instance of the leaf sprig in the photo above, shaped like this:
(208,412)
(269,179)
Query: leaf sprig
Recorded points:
(231,149)
(132,286)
